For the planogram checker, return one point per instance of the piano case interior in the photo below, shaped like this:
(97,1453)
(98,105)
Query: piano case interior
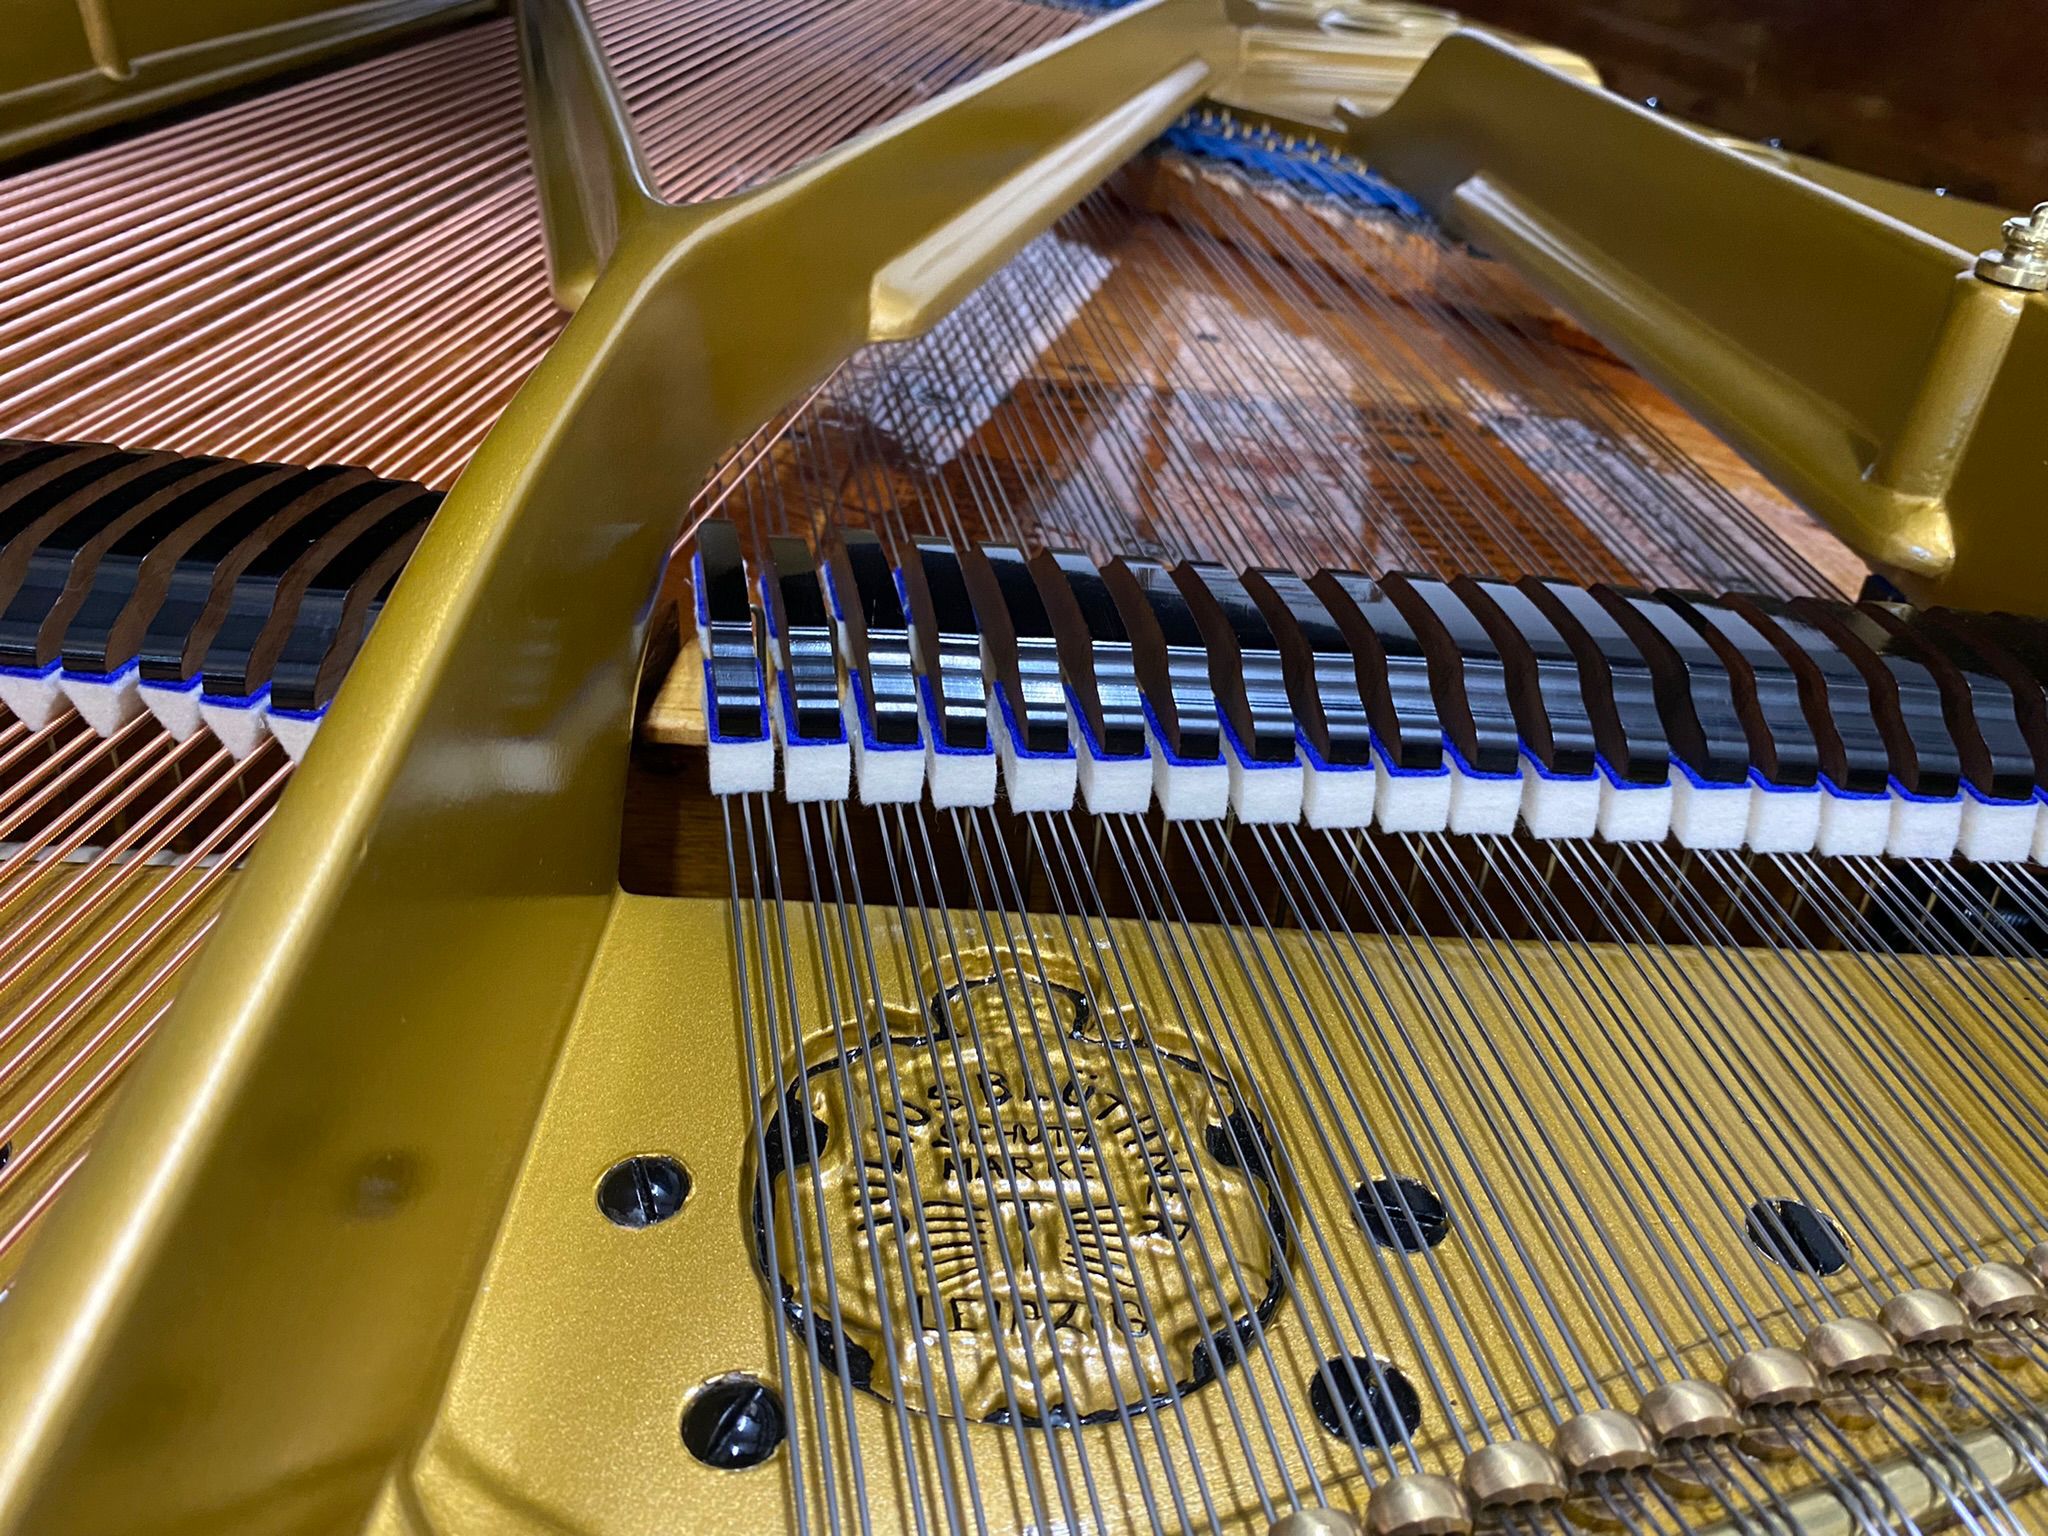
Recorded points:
(978,765)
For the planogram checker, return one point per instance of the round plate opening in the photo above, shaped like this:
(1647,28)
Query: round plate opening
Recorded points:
(1794,1234)
(1377,1404)
(1402,1213)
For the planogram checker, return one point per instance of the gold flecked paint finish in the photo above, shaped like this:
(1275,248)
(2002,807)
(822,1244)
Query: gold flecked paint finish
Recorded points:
(588,1340)
(1074,1180)
(459,815)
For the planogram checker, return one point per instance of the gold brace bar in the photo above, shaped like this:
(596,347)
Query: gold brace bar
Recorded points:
(1852,357)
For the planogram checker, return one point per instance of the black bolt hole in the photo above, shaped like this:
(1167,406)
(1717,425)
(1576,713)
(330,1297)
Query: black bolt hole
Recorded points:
(642,1191)
(1794,1234)
(1380,1405)
(6,1154)
(734,1422)
(1402,1213)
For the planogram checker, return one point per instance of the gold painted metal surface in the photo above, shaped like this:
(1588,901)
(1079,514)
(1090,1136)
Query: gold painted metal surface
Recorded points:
(1956,221)
(69,67)
(1048,1335)
(926,275)
(563,1408)
(1835,347)
(1299,58)
(590,174)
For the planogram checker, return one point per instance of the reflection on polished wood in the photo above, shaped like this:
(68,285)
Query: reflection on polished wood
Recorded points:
(1933,95)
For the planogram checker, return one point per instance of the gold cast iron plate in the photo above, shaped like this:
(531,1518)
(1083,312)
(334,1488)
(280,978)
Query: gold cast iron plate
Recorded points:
(588,1339)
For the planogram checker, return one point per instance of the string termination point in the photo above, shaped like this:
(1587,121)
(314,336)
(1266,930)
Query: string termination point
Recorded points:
(1420,1504)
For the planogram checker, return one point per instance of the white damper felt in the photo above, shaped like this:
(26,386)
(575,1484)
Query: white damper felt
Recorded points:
(956,779)
(1034,781)
(1852,826)
(35,697)
(2041,832)
(176,705)
(106,703)
(1558,805)
(242,727)
(1333,797)
(1262,793)
(1483,803)
(1782,819)
(1923,829)
(1633,813)
(1997,831)
(1410,799)
(884,775)
(741,767)
(812,771)
(1187,790)
(1708,815)
(817,770)
(1110,785)
(295,733)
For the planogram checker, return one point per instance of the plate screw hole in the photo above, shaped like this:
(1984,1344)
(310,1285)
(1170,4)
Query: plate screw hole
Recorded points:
(1794,1234)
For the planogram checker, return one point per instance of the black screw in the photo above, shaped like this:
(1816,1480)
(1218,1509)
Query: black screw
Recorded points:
(733,1422)
(643,1190)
